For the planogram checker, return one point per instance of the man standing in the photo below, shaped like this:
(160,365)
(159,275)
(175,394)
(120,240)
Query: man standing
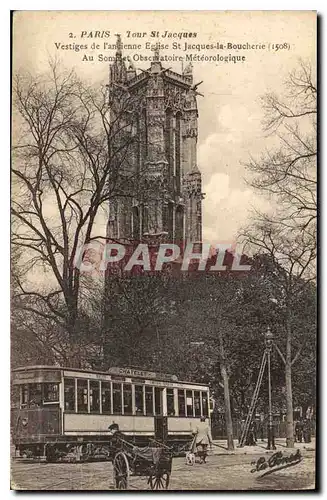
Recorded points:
(251,437)
(261,427)
(299,430)
(307,431)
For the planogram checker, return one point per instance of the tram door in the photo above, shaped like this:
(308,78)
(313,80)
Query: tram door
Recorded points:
(160,421)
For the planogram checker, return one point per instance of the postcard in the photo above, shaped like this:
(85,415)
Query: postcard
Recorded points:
(163,250)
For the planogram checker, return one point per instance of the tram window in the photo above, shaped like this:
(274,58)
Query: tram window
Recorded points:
(139,407)
(35,395)
(148,400)
(205,404)
(197,405)
(15,396)
(50,393)
(106,397)
(189,403)
(94,396)
(116,393)
(69,384)
(181,403)
(127,392)
(24,394)
(170,402)
(82,395)
(158,394)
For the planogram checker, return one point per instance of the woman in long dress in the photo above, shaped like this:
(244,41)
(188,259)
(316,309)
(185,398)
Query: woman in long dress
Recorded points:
(203,439)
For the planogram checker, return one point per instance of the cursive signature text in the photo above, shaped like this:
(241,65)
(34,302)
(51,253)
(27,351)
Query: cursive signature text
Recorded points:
(277,461)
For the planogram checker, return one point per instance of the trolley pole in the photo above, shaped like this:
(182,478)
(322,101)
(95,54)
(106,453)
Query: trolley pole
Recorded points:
(271,439)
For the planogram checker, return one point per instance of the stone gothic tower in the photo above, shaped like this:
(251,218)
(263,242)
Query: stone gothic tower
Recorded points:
(154,120)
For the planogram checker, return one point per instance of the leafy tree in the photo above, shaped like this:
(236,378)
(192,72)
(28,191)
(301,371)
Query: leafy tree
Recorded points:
(288,304)
(287,237)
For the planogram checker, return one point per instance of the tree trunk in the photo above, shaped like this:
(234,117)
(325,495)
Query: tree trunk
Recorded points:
(224,375)
(289,407)
(289,396)
(228,413)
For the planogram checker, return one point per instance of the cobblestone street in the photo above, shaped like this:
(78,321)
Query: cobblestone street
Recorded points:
(224,471)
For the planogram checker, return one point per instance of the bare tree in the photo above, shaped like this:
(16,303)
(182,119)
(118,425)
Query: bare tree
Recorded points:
(67,153)
(288,170)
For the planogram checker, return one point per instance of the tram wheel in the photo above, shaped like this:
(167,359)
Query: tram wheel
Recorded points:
(120,471)
(160,481)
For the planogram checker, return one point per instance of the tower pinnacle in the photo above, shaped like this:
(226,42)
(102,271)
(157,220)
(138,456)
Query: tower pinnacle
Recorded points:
(118,68)
(156,55)
(119,44)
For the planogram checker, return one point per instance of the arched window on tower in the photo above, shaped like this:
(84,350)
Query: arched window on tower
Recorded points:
(178,155)
(169,144)
(138,145)
(145,219)
(199,220)
(143,139)
(179,225)
(136,223)
(170,221)
(165,216)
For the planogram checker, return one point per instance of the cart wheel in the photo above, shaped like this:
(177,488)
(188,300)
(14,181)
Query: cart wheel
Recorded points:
(159,481)
(190,458)
(120,471)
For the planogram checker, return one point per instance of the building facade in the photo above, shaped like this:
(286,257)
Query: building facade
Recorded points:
(154,130)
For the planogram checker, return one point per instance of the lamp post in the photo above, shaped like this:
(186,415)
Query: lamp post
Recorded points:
(269,340)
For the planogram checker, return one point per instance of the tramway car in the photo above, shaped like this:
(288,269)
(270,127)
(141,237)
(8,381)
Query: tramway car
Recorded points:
(65,413)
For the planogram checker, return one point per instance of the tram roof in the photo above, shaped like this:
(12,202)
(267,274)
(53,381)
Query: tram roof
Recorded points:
(136,373)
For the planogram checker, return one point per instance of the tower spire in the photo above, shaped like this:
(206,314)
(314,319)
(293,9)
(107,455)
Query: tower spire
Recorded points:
(119,45)
(118,68)
(156,54)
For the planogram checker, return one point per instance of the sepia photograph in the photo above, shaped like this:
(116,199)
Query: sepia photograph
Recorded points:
(163,251)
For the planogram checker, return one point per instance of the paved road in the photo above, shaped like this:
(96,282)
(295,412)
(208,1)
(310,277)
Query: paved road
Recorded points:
(222,472)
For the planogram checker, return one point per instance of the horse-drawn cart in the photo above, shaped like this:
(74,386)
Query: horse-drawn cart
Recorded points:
(153,462)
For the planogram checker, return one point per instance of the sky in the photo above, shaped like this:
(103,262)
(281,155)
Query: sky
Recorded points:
(230,113)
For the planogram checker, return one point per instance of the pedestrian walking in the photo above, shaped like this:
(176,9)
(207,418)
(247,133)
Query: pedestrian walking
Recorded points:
(299,430)
(307,431)
(203,439)
(261,429)
(251,441)
(255,430)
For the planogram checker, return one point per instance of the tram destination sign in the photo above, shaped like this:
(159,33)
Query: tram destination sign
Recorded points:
(36,376)
(134,372)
